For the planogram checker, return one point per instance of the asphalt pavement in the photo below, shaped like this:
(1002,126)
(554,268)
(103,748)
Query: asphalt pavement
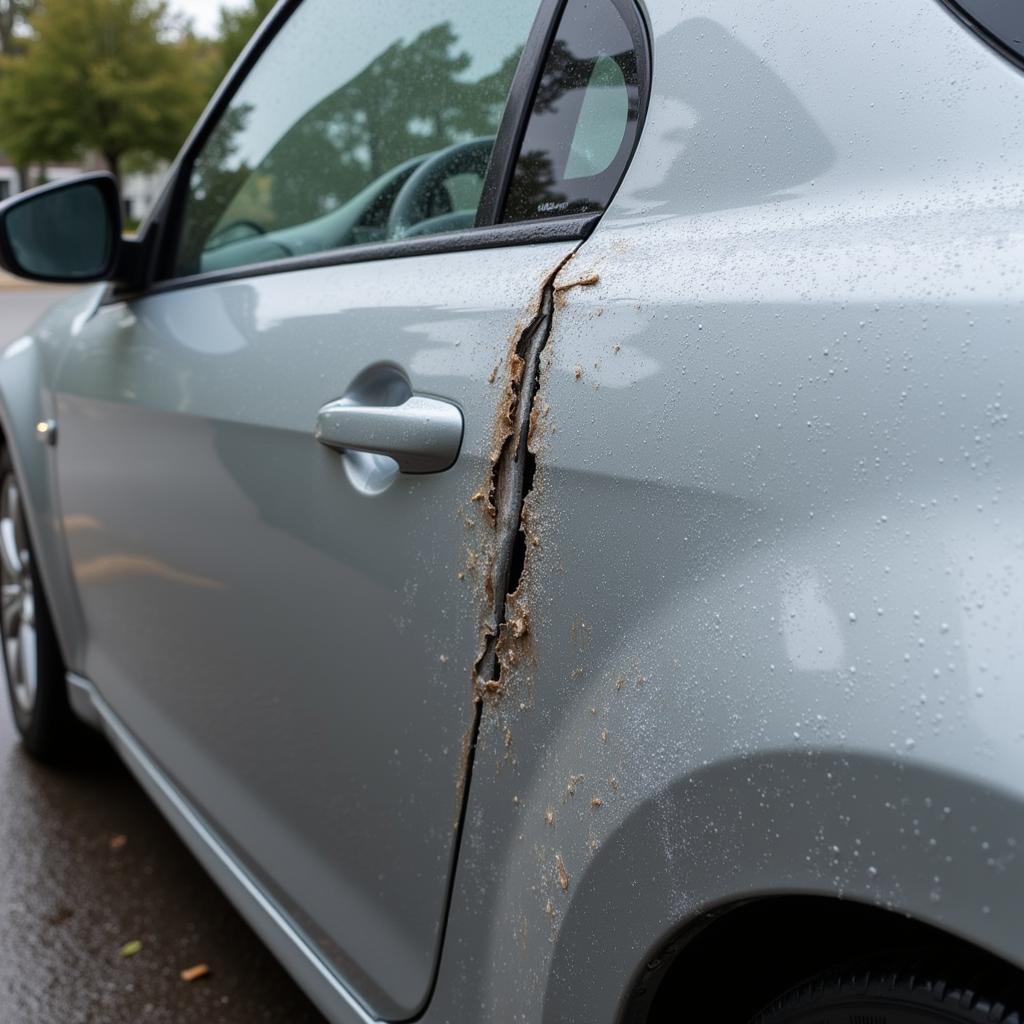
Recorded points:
(89,871)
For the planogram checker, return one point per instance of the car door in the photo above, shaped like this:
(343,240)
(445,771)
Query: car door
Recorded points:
(285,620)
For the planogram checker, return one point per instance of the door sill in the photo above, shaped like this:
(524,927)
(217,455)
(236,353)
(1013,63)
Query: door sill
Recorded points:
(284,940)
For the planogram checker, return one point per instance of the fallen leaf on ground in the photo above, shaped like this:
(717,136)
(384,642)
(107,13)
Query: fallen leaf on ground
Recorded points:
(118,842)
(195,973)
(131,948)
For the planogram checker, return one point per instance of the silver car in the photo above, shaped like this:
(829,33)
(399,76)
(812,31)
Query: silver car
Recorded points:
(540,505)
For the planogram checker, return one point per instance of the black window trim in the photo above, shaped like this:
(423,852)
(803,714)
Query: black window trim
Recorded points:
(535,232)
(166,214)
(963,15)
(614,174)
(159,243)
(518,107)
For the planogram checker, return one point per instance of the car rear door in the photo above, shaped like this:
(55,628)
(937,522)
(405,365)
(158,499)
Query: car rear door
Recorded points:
(288,624)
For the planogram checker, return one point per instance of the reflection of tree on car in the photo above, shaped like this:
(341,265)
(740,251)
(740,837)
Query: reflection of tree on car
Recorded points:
(348,154)
(363,218)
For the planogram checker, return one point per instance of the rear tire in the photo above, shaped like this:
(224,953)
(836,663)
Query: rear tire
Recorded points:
(880,997)
(33,664)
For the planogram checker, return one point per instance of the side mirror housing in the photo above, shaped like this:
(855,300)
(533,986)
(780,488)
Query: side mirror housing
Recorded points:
(68,232)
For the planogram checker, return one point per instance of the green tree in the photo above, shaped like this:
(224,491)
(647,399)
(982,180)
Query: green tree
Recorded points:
(236,28)
(411,99)
(101,76)
(13,18)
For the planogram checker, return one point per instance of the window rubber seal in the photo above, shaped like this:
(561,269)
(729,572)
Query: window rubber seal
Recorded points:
(516,116)
(534,232)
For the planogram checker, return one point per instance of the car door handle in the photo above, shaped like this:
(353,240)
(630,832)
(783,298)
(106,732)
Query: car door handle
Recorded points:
(423,435)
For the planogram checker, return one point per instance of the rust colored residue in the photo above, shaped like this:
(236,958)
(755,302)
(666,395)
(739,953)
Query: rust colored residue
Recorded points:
(540,426)
(514,640)
(586,281)
(504,627)
(563,875)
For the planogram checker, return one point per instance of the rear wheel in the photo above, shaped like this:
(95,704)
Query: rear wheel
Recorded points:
(32,660)
(880,997)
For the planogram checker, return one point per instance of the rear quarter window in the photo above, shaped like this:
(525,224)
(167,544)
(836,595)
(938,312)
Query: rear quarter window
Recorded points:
(586,113)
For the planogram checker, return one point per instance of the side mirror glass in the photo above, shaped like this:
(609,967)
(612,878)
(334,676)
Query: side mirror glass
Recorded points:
(68,232)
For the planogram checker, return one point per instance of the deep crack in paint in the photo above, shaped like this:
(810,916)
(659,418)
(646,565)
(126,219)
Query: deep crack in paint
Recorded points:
(512,467)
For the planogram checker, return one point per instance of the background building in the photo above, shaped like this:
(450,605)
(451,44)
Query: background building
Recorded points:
(138,190)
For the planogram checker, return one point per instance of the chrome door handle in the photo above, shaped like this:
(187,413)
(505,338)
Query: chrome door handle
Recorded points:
(423,435)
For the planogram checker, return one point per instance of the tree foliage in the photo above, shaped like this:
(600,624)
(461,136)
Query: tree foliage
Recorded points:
(13,17)
(100,76)
(236,28)
(411,99)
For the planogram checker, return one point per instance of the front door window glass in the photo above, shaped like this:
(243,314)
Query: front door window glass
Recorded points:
(359,123)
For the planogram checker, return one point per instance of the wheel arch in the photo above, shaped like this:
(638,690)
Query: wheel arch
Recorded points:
(790,828)
(700,964)
(25,401)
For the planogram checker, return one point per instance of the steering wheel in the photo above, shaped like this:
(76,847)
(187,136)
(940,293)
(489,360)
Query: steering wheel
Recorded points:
(416,200)
(250,226)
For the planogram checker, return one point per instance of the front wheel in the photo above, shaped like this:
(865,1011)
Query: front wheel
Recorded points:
(34,667)
(880,997)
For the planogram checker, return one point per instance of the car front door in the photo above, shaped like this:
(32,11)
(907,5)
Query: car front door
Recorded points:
(287,622)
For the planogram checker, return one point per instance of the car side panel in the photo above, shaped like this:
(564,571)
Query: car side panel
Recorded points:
(775,592)
(292,651)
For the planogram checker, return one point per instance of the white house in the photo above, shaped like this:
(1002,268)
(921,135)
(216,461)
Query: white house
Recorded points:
(9,175)
(139,191)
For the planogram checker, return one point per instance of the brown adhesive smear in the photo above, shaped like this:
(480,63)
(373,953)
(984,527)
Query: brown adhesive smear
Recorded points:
(506,491)
(586,281)
(563,875)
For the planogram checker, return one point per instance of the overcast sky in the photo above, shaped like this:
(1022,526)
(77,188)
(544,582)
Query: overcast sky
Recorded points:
(204,13)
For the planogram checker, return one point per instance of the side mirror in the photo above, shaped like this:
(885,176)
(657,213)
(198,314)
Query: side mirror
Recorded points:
(69,231)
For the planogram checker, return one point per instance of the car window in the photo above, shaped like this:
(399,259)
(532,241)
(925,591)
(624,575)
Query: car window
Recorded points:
(358,123)
(585,116)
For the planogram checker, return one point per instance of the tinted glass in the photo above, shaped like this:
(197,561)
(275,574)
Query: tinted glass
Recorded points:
(66,234)
(1002,19)
(359,123)
(585,116)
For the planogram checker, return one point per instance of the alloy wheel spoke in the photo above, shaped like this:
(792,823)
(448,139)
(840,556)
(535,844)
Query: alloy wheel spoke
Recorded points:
(13,660)
(12,605)
(27,663)
(10,555)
